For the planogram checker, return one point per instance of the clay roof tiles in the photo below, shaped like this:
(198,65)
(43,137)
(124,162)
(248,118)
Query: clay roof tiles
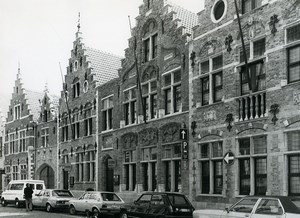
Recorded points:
(105,65)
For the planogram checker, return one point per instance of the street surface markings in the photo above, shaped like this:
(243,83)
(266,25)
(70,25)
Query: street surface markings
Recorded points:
(9,214)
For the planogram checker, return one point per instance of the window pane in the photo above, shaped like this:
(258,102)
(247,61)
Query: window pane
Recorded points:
(260,145)
(177,76)
(167,80)
(294,164)
(153,86)
(246,6)
(168,101)
(247,48)
(244,145)
(218,177)
(294,73)
(293,33)
(177,98)
(261,176)
(293,139)
(244,176)
(145,89)
(205,177)
(217,149)
(294,55)
(259,48)
(204,67)
(217,62)
(204,150)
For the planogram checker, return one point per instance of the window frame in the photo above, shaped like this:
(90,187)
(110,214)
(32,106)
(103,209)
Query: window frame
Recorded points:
(130,106)
(107,112)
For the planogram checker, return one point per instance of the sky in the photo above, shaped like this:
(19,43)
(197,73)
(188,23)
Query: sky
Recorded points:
(38,35)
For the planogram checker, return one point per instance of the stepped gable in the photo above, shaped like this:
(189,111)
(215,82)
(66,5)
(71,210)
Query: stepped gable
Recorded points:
(54,102)
(104,65)
(186,18)
(33,100)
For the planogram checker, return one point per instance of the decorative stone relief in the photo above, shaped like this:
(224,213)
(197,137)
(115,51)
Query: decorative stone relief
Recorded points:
(209,116)
(129,140)
(296,97)
(148,137)
(170,132)
(252,28)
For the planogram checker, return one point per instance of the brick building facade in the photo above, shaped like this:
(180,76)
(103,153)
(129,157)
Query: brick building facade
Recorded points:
(253,116)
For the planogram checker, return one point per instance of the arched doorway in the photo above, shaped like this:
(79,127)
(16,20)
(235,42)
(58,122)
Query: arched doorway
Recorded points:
(47,174)
(108,173)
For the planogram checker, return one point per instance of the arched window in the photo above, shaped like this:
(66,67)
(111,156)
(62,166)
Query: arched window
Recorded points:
(150,40)
(76,88)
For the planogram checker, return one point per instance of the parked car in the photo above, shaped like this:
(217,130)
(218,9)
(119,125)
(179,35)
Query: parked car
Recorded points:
(100,204)
(256,207)
(52,199)
(159,205)
(15,191)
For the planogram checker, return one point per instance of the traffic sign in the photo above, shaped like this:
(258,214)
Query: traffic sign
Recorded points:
(185,150)
(229,158)
(183,134)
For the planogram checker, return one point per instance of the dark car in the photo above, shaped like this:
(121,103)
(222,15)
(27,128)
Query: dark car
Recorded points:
(159,205)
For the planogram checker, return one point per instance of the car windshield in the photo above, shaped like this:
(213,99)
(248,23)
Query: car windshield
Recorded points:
(110,197)
(62,193)
(17,186)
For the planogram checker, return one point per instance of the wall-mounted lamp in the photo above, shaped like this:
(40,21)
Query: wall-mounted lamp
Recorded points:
(274,110)
(229,119)
(194,126)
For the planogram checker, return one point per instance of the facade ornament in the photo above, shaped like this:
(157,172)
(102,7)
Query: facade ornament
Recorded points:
(274,110)
(273,20)
(229,119)
(192,58)
(228,41)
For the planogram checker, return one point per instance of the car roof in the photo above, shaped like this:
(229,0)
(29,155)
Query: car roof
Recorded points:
(286,202)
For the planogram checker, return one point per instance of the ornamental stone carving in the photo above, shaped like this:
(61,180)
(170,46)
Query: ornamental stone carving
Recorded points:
(129,140)
(148,137)
(170,132)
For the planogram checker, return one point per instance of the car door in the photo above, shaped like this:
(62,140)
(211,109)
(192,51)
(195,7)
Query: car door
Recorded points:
(92,201)
(140,207)
(243,208)
(37,199)
(268,208)
(82,202)
(45,198)
(157,206)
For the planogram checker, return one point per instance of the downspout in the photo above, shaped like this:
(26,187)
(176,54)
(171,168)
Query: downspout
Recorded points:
(97,141)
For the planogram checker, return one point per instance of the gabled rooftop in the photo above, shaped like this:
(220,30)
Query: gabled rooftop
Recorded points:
(33,99)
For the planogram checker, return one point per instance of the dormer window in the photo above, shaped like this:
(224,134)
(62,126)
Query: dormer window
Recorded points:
(17,112)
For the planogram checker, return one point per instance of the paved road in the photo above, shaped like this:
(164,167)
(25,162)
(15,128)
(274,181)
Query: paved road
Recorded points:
(12,212)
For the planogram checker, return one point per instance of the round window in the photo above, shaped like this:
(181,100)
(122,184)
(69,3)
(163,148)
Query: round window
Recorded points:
(218,11)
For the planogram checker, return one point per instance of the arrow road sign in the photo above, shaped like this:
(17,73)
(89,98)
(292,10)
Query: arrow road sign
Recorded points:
(229,158)
(183,134)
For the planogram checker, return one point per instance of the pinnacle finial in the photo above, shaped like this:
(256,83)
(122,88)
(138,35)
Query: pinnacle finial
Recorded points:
(46,90)
(78,22)
(19,71)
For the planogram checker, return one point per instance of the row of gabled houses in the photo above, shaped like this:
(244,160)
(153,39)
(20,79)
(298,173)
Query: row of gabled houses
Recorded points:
(191,108)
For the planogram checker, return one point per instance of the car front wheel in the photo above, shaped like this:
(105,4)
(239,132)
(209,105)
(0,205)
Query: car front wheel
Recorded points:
(95,212)
(3,202)
(123,214)
(49,208)
(72,210)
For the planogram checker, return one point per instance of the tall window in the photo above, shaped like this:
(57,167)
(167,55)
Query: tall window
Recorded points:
(65,157)
(65,132)
(15,172)
(149,92)
(293,53)
(107,108)
(256,69)
(253,155)
(22,142)
(149,172)
(130,106)
(150,47)
(17,112)
(90,164)
(76,125)
(80,166)
(211,167)
(172,167)
(45,116)
(88,122)
(293,144)
(248,5)
(76,88)
(172,92)
(12,143)
(23,173)
(130,169)
(211,80)
(45,137)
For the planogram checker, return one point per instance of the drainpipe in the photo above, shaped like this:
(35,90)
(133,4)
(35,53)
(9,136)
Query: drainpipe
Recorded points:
(97,141)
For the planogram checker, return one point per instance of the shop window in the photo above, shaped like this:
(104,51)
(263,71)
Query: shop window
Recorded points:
(129,168)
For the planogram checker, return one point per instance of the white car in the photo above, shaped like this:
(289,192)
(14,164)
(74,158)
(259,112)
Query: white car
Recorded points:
(14,193)
(52,199)
(104,203)
(256,207)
